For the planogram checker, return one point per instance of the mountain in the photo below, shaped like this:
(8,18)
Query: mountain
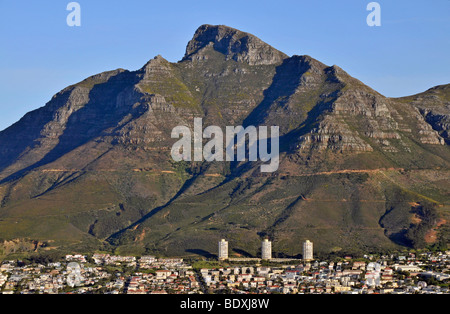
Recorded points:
(358,171)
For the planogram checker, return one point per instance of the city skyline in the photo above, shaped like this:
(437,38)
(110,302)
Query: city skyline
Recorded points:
(399,273)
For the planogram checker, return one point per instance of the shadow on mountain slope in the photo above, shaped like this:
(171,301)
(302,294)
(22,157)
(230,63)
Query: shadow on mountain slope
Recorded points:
(93,120)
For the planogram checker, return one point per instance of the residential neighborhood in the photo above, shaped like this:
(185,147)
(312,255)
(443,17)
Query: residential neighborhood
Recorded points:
(387,275)
(421,273)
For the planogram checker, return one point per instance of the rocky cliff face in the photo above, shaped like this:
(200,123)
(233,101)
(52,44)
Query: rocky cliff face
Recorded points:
(93,165)
(434,106)
(234,44)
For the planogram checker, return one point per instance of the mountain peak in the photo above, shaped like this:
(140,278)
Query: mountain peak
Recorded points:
(234,44)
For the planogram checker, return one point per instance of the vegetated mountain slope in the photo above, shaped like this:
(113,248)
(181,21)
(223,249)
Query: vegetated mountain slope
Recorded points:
(357,171)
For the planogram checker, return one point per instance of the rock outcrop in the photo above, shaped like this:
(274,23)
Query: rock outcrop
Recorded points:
(434,106)
(234,44)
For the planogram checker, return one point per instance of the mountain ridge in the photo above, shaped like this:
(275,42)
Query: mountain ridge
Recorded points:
(92,168)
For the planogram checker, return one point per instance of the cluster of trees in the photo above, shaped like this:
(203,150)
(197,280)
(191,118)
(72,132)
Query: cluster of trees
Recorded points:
(428,215)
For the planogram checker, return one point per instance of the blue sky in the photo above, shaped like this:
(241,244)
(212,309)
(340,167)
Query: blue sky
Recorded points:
(40,54)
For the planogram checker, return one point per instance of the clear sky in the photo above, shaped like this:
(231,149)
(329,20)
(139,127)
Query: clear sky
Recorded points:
(40,54)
